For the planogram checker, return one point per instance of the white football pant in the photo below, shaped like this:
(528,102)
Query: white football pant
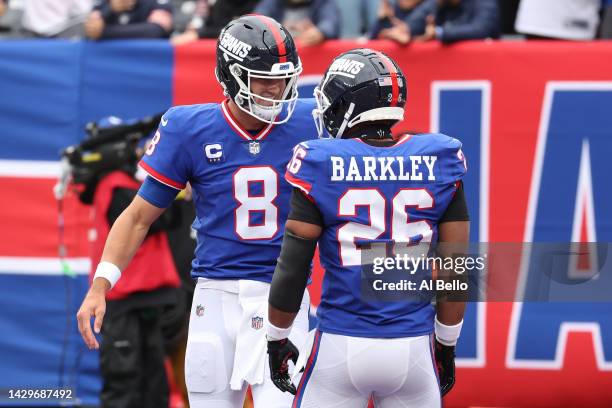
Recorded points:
(343,372)
(213,326)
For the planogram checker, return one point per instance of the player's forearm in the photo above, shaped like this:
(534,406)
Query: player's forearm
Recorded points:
(126,235)
(454,244)
(291,273)
(101,285)
(279,318)
(450,304)
(448,322)
(124,239)
(288,283)
(279,324)
(450,313)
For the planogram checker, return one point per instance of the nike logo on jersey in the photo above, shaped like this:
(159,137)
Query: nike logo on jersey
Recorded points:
(234,46)
(164,121)
(368,168)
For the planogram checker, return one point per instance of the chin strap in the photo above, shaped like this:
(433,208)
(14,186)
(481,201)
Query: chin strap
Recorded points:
(267,113)
(347,117)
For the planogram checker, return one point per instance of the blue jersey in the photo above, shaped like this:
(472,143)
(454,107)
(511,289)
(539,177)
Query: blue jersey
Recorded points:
(371,193)
(240,195)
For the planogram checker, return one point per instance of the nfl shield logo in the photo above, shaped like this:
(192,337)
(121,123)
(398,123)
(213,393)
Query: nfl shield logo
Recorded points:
(254,148)
(257,322)
(199,310)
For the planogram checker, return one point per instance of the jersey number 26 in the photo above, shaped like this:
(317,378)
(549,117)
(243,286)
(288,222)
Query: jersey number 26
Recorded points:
(403,231)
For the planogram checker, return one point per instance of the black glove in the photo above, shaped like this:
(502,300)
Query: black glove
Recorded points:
(445,362)
(279,354)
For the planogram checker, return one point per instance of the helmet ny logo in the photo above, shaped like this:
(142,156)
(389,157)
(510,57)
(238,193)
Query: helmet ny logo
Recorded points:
(234,47)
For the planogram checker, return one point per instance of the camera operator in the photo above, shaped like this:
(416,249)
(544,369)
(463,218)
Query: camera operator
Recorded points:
(133,349)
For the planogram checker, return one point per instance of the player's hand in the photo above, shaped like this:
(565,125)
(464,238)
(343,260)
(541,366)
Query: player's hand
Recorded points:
(279,354)
(445,362)
(94,305)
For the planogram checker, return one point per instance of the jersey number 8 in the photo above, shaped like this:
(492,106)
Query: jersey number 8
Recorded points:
(252,203)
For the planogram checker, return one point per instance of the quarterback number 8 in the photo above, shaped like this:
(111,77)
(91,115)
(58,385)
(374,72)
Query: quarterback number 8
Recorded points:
(256,202)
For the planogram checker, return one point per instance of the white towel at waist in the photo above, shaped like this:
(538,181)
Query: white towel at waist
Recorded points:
(250,356)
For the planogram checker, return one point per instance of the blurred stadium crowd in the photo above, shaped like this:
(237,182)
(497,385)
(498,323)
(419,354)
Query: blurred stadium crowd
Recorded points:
(311,21)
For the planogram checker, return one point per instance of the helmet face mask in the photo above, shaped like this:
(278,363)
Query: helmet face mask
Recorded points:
(360,86)
(322,105)
(251,102)
(257,47)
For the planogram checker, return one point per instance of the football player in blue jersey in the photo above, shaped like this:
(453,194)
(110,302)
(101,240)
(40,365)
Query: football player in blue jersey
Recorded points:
(361,184)
(234,155)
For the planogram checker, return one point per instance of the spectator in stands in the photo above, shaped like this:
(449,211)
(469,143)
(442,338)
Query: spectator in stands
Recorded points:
(113,19)
(10,20)
(186,11)
(219,14)
(606,23)
(455,20)
(310,21)
(357,17)
(4,27)
(559,19)
(54,18)
(392,21)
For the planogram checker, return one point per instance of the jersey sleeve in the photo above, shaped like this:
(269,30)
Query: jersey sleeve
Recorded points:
(303,209)
(452,163)
(457,210)
(302,168)
(156,193)
(166,158)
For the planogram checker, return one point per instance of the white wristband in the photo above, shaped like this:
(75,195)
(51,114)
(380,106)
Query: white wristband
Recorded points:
(447,335)
(274,333)
(108,271)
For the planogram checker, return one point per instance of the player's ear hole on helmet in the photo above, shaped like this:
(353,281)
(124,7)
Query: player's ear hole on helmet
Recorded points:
(235,69)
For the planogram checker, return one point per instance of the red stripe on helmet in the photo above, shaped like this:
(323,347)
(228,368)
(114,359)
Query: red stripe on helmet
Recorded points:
(393,72)
(280,44)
